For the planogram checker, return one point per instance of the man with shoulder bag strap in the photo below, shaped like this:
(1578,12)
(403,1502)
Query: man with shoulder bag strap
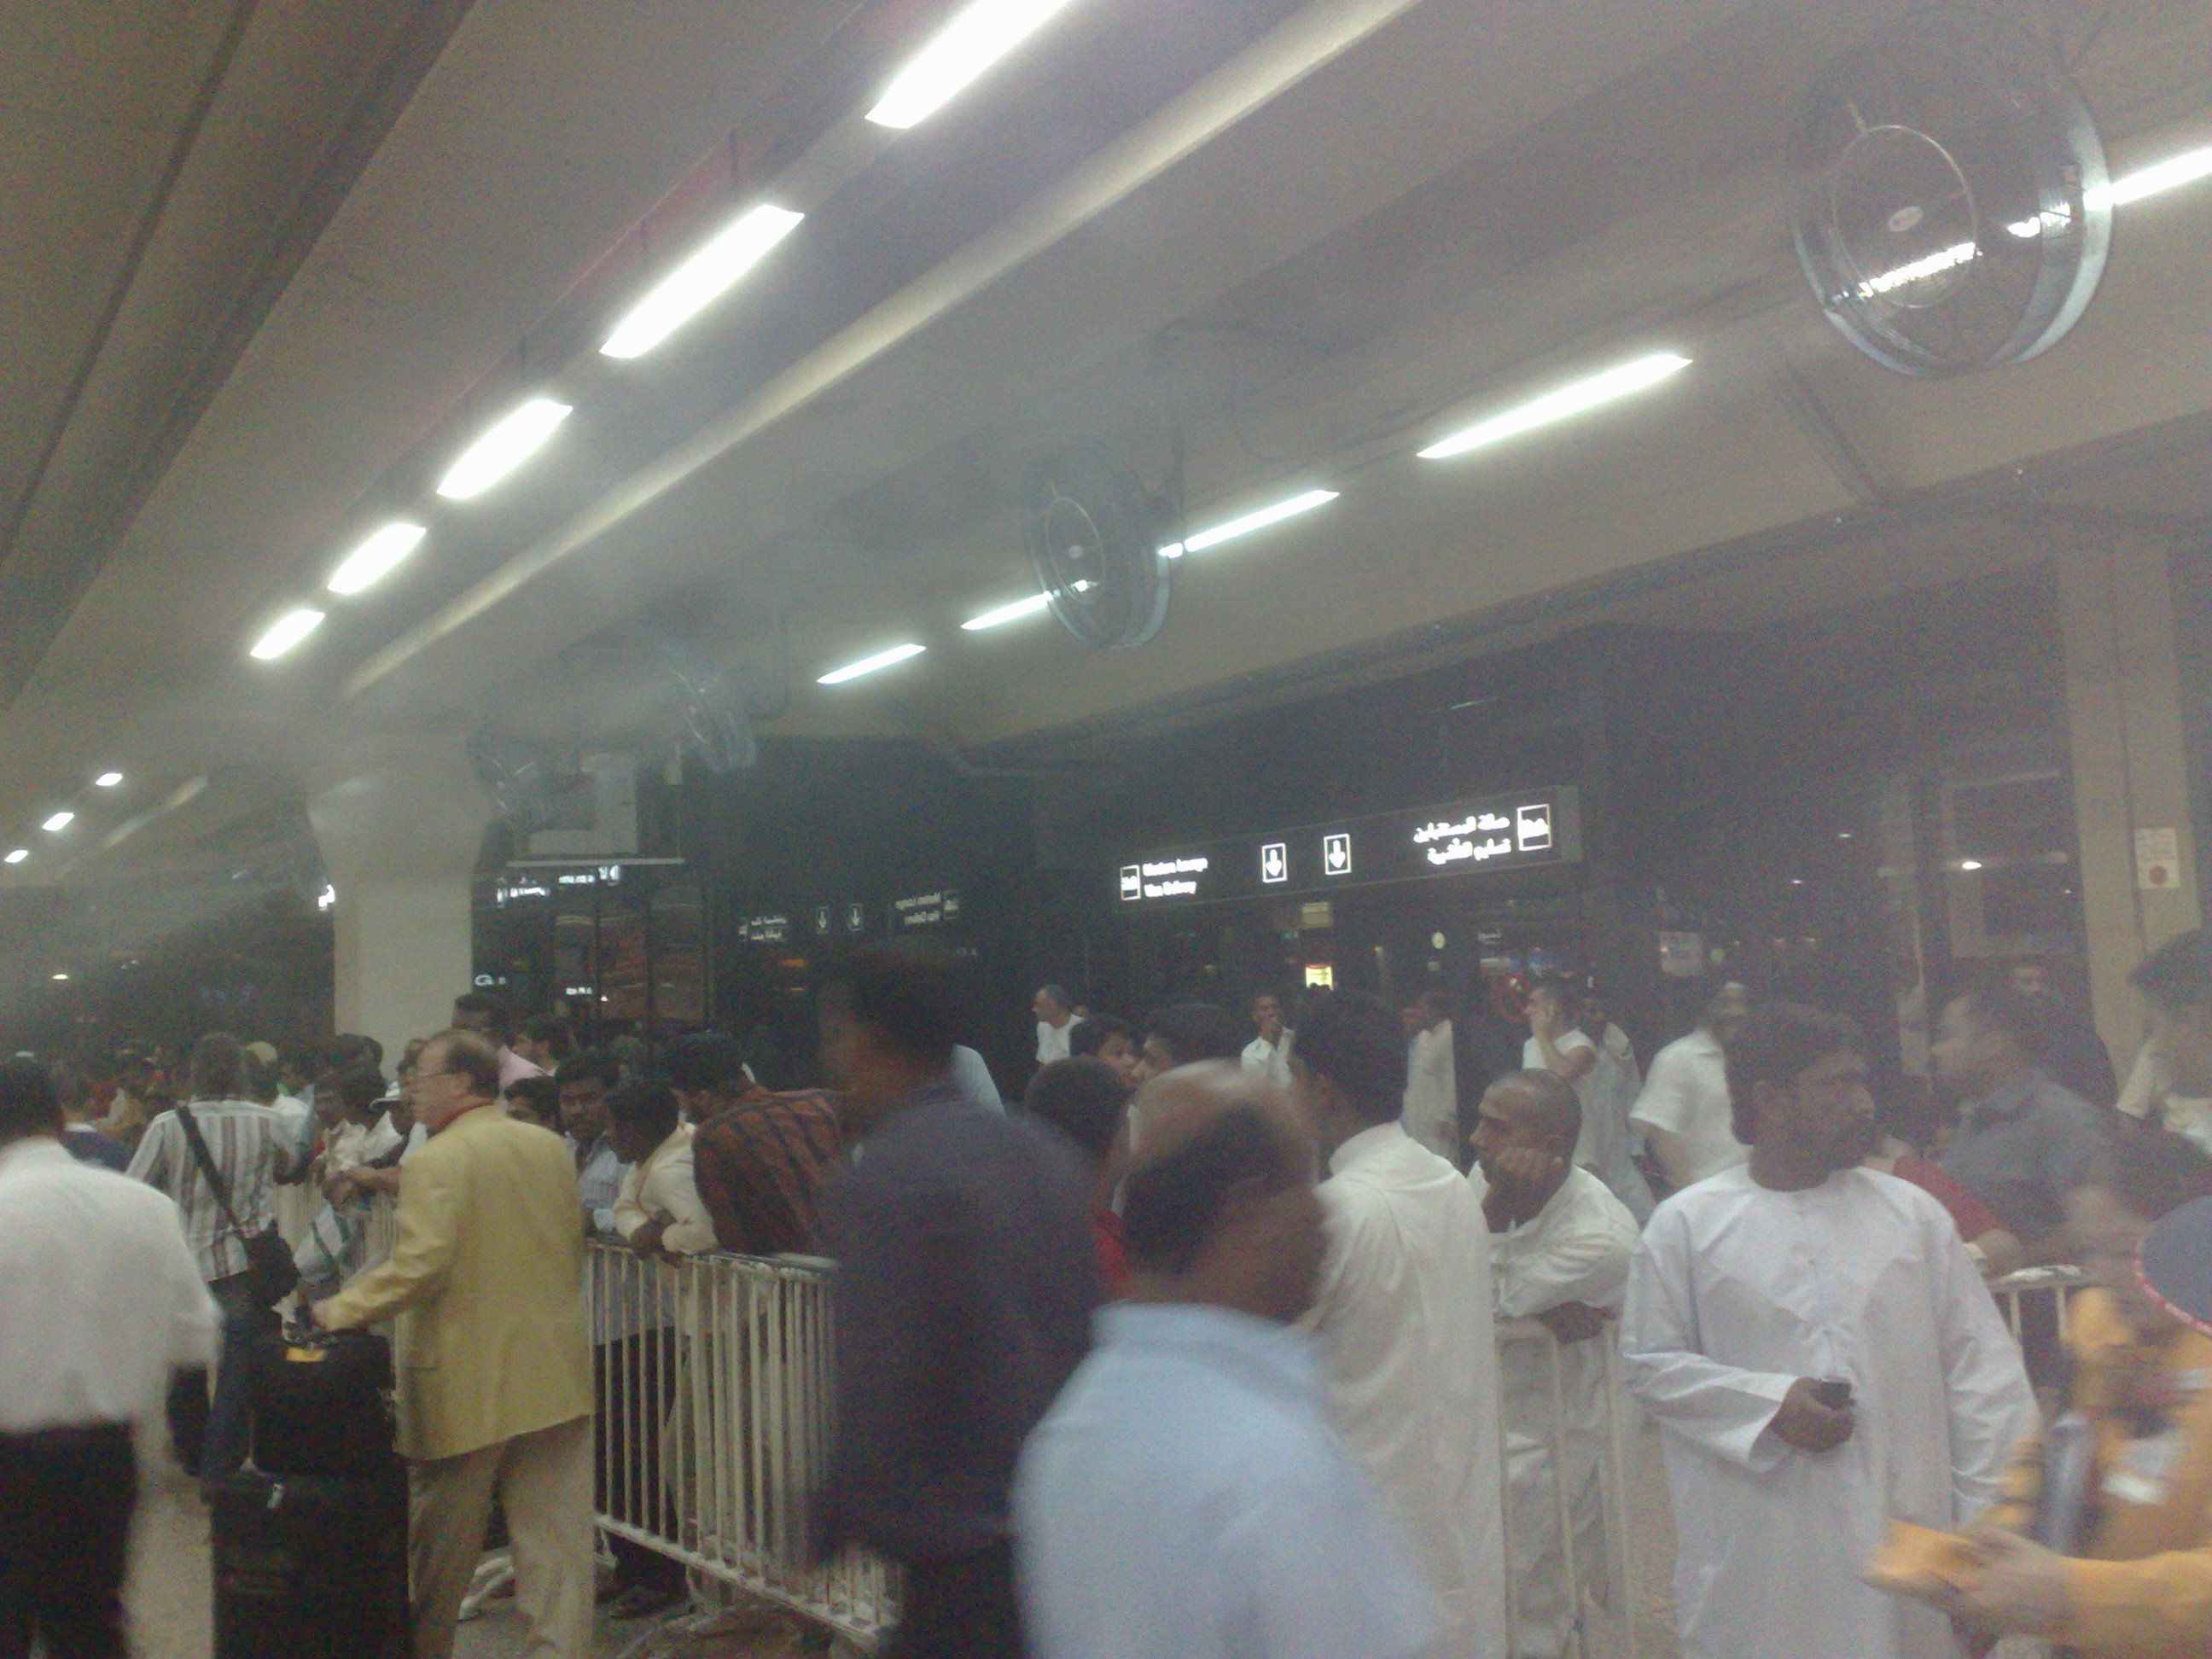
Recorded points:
(217,1158)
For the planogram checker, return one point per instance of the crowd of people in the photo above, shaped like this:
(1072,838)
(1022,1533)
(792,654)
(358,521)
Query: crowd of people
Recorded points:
(1214,1341)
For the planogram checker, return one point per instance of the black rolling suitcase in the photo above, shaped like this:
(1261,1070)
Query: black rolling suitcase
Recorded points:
(307,1567)
(322,1405)
(310,1542)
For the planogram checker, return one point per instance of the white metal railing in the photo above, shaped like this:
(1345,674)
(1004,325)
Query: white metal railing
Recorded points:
(720,1407)
(2017,1293)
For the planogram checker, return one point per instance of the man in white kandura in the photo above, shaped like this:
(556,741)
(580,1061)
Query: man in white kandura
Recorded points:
(1560,1249)
(1821,1357)
(1684,1108)
(1403,1316)
(1431,1114)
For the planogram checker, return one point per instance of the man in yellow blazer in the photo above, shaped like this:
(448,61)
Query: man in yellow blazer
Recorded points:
(495,1375)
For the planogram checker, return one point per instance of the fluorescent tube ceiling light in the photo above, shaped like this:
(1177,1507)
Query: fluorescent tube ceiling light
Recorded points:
(1250,522)
(983,32)
(19,855)
(373,561)
(853,671)
(700,281)
(59,821)
(108,780)
(2158,178)
(1006,613)
(1574,399)
(512,440)
(287,631)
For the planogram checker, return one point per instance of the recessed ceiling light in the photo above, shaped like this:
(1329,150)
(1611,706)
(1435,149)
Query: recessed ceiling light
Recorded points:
(980,36)
(287,631)
(512,441)
(700,279)
(61,975)
(108,780)
(18,855)
(1006,613)
(1969,864)
(59,821)
(1250,522)
(373,561)
(853,671)
(1574,399)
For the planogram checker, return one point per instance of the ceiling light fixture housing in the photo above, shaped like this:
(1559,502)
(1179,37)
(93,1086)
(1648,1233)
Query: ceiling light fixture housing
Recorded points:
(17,856)
(1575,398)
(983,32)
(700,279)
(513,440)
(853,671)
(108,780)
(59,821)
(375,558)
(287,631)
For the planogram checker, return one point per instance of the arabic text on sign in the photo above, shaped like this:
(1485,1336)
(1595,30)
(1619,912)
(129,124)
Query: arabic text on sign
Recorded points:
(1475,823)
(1456,852)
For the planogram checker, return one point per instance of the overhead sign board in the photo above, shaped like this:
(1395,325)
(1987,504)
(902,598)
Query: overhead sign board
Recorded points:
(1528,828)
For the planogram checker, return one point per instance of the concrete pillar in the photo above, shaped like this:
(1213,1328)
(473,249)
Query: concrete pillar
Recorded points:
(400,825)
(2123,712)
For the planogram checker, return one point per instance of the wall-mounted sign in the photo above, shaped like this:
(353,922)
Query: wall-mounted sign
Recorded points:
(822,919)
(1532,827)
(939,909)
(856,918)
(767,930)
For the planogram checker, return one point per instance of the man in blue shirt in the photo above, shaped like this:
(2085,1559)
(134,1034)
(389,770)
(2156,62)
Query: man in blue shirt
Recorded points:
(1185,1499)
(967,1276)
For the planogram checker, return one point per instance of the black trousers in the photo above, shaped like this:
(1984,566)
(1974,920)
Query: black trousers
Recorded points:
(65,1501)
(637,1385)
(959,1606)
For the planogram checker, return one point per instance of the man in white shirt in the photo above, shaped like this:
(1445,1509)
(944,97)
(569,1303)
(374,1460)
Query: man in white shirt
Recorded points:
(1561,1244)
(1403,1315)
(658,1210)
(1431,1115)
(1822,1359)
(1268,1054)
(1685,1103)
(100,1301)
(1053,1018)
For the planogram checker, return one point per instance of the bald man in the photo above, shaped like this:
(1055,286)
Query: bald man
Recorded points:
(1185,1499)
(1561,1246)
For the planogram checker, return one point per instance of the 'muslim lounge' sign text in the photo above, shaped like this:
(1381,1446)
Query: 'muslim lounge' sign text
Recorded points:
(1469,837)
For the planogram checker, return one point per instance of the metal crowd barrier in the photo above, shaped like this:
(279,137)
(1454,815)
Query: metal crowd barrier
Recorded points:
(2021,1293)
(714,1383)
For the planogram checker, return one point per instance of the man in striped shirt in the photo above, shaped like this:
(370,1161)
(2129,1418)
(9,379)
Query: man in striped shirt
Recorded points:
(250,1146)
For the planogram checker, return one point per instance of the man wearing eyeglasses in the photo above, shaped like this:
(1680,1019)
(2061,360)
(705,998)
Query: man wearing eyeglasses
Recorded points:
(495,1375)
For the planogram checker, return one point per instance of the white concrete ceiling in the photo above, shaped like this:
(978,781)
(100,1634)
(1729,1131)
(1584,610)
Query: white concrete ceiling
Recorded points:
(1371,212)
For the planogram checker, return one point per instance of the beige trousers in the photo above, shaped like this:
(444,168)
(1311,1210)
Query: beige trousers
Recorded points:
(545,1479)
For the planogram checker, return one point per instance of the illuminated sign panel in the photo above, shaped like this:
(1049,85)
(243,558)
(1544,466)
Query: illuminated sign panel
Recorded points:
(1528,828)
(940,909)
